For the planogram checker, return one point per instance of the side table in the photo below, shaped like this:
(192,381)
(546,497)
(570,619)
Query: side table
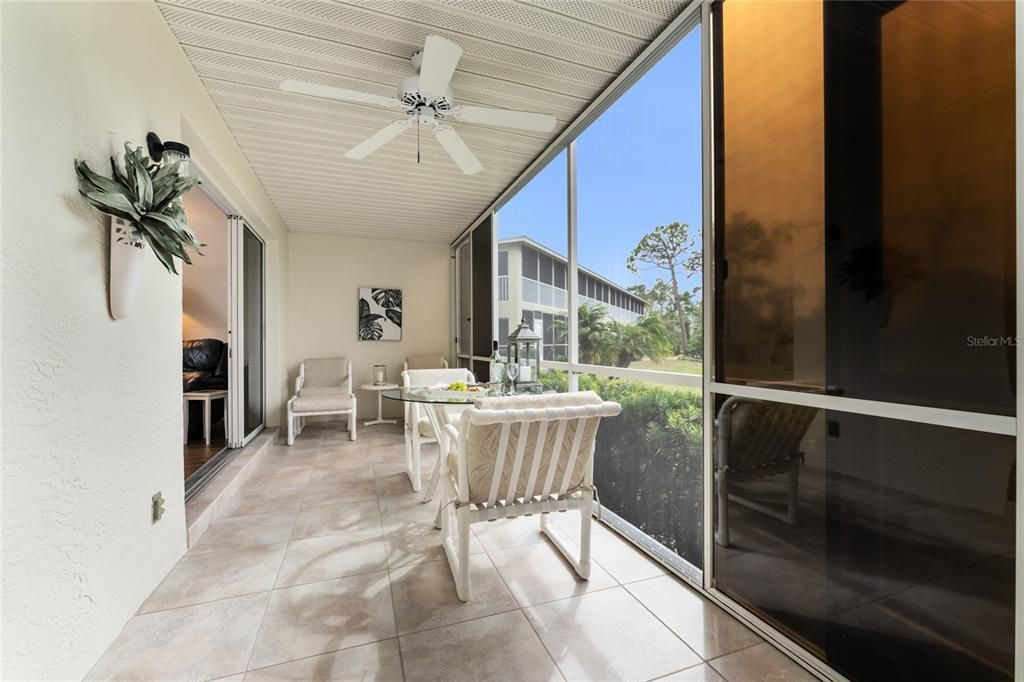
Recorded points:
(379,388)
(206,397)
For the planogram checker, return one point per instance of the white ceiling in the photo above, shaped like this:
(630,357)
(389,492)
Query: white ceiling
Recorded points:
(551,56)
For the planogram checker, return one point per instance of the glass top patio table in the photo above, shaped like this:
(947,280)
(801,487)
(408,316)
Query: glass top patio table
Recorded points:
(422,394)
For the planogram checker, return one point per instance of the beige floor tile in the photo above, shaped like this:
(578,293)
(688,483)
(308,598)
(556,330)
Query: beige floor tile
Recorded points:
(425,596)
(240,677)
(354,518)
(331,556)
(204,577)
(760,662)
(621,559)
(500,647)
(408,527)
(256,499)
(706,628)
(698,673)
(538,573)
(244,532)
(608,635)
(379,661)
(192,643)
(357,489)
(504,533)
(287,476)
(307,620)
(393,483)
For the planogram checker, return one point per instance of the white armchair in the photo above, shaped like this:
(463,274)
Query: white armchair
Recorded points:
(517,456)
(418,428)
(323,387)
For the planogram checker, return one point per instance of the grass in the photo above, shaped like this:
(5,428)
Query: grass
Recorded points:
(676,365)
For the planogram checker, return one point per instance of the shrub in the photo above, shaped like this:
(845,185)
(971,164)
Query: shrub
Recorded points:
(648,466)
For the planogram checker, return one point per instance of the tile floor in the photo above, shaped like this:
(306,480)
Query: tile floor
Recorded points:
(328,567)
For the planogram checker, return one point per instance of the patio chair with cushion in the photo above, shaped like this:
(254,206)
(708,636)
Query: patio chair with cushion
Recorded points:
(418,430)
(323,387)
(757,439)
(522,455)
(426,361)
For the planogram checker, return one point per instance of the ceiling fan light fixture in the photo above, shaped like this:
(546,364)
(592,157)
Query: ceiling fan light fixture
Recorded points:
(428,101)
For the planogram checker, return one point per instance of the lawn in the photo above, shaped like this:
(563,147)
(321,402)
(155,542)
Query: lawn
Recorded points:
(677,365)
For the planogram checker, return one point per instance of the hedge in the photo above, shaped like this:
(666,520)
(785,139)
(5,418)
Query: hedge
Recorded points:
(649,462)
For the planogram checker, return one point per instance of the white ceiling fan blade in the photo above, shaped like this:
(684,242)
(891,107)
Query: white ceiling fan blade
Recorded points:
(440,56)
(377,140)
(343,94)
(525,120)
(462,155)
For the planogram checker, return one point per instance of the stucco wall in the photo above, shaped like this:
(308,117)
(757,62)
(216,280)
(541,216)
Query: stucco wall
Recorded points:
(91,408)
(326,271)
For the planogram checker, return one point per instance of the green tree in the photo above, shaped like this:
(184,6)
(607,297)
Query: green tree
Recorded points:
(603,341)
(670,248)
(646,337)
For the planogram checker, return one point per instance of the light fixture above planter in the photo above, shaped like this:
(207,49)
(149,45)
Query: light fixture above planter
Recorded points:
(168,152)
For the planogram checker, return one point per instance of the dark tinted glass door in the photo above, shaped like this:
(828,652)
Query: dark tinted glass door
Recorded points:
(865,225)
(866,200)
(252,373)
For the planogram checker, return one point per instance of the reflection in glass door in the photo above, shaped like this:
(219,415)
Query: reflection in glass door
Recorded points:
(252,274)
(865,312)
(247,335)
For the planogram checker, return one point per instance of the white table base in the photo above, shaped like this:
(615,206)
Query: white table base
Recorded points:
(380,419)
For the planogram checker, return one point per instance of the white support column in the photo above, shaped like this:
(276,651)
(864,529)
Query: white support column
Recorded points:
(572,278)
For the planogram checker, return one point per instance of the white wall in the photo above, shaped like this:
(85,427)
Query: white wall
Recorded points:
(327,270)
(91,408)
(204,284)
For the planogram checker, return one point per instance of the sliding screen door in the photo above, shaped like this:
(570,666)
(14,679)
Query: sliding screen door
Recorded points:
(865,240)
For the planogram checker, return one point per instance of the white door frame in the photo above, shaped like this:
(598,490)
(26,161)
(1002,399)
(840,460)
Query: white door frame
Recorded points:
(237,436)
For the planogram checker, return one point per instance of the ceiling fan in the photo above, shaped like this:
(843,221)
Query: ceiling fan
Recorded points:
(428,101)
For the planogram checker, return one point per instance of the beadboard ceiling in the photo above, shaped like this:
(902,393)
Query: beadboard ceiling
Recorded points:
(551,56)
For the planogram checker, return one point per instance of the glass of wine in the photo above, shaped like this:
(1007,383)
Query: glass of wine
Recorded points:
(512,371)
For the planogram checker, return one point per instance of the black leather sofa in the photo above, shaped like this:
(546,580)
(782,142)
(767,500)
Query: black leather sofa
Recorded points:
(204,368)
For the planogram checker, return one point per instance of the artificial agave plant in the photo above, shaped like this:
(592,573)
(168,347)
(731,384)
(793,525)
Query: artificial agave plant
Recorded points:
(146,195)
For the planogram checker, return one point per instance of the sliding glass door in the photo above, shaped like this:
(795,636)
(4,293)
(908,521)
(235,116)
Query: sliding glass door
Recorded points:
(247,335)
(865,354)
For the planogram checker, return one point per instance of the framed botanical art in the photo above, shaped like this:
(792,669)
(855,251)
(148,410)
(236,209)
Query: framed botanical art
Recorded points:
(380,314)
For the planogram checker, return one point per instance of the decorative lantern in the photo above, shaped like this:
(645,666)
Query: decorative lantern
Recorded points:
(380,375)
(524,352)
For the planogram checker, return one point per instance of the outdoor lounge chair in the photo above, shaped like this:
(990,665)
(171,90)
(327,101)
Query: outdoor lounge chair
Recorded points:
(757,439)
(323,387)
(516,456)
(418,430)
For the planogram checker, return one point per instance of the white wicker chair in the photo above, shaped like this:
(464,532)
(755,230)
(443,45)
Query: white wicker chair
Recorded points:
(517,456)
(324,386)
(418,428)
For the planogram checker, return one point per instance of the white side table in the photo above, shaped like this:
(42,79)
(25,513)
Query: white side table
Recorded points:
(207,397)
(379,388)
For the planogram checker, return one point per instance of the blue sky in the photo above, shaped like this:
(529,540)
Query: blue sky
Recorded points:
(638,166)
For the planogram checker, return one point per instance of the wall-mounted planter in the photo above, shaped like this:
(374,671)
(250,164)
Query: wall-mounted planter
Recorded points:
(126,263)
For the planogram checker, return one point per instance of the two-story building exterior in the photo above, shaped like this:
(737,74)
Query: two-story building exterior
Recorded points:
(533,285)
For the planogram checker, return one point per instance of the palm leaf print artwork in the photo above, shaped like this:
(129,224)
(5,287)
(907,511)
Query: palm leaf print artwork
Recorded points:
(380,314)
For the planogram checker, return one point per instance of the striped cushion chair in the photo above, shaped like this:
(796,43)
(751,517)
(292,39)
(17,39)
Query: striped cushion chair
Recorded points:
(521,455)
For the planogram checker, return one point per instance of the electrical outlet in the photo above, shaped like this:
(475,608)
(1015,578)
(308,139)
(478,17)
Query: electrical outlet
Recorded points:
(158,506)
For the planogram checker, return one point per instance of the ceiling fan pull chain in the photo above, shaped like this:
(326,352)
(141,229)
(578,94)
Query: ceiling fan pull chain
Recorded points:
(417,137)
